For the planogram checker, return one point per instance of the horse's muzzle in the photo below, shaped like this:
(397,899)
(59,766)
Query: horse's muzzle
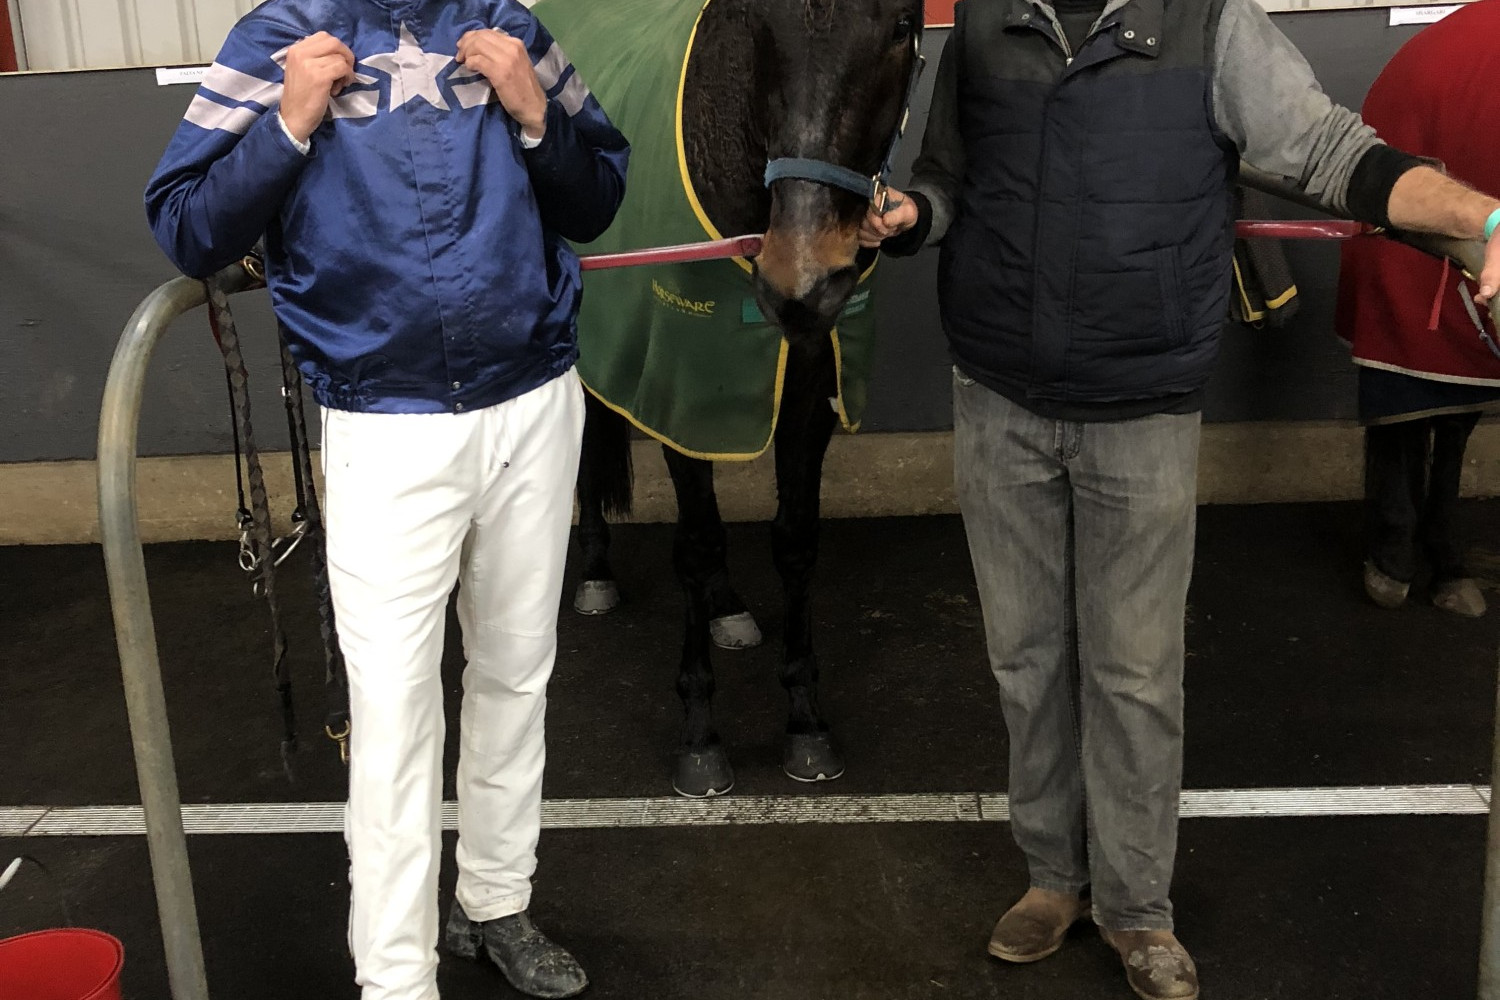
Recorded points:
(812,313)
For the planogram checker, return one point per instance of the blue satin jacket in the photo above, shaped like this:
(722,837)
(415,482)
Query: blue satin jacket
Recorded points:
(416,255)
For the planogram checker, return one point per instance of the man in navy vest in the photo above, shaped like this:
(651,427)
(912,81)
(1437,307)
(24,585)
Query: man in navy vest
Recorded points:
(417,167)
(1077,172)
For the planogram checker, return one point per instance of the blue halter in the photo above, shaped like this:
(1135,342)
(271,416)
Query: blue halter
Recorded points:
(871,188)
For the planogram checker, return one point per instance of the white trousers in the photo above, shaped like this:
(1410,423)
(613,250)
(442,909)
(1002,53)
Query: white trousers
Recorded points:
(415,504)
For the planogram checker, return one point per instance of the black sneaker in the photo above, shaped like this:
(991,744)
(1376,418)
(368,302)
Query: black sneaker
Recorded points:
(530,961)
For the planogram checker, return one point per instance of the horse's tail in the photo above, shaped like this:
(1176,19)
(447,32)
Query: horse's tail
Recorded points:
(605,474)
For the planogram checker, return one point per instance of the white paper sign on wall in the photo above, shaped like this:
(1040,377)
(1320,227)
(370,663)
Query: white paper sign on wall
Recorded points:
(168,75)
(1430,14)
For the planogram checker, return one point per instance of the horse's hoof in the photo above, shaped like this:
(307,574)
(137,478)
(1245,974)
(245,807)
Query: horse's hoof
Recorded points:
(1388,593)
(735,631)
(596,597)
(811,757)
(703,774)
(1460,597)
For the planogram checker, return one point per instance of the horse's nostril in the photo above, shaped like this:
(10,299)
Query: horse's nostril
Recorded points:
(771,299)
(830,294)
(813,312)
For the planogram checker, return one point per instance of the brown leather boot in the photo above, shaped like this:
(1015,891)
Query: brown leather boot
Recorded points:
(1157,966)
(1035,927)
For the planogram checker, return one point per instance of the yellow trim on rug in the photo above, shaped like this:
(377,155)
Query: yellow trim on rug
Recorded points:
(1252,315)
(1282,299)
(682,164)
(706,455)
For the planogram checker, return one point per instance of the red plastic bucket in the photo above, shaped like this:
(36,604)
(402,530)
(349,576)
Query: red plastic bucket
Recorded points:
(64,964)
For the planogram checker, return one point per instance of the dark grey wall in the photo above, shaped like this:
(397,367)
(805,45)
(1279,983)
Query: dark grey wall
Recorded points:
(75,258)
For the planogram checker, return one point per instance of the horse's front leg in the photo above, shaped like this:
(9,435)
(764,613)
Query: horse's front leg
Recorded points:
(802,435)
(702,768)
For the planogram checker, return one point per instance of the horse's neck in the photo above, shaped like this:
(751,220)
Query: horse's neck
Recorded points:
(726,155)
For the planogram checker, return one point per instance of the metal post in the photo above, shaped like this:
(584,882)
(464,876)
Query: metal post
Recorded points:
(135,632)
(1489,928)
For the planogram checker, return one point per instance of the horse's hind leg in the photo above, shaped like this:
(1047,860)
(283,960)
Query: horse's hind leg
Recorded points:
(604,476)
(802,436)
(702,766)
(597,592)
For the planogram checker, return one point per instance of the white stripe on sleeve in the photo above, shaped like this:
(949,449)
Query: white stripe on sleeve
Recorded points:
(206,114)
(573,95)
(237,86)
(550,68)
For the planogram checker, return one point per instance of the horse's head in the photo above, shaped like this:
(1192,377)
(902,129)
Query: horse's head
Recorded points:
(831,84)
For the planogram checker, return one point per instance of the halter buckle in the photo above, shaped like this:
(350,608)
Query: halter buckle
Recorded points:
(882,200)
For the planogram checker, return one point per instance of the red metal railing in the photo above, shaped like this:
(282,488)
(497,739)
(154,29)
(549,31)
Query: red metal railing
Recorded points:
(749,246)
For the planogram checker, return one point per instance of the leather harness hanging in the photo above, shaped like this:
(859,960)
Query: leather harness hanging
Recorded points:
(260,552)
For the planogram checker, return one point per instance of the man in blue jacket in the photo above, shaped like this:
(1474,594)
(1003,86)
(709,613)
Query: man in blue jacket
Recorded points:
(415,167)
(1078,169)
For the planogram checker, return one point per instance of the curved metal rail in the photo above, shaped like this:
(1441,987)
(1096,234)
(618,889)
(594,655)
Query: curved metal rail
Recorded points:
(135,629)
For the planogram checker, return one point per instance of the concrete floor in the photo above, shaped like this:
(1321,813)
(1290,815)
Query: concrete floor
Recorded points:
(1294,680)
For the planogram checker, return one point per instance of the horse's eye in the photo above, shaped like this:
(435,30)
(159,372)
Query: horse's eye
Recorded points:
(904,28)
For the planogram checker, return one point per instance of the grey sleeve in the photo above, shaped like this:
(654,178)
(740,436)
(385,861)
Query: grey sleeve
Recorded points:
(1268,103)
(939,170)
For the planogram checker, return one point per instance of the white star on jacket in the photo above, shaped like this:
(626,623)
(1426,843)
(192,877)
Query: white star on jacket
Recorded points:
(413,72)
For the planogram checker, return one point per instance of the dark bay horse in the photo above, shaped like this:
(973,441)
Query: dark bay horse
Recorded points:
(766,80)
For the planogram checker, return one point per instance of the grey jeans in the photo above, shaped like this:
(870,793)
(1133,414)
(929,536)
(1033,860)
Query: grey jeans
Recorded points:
(1082,540)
